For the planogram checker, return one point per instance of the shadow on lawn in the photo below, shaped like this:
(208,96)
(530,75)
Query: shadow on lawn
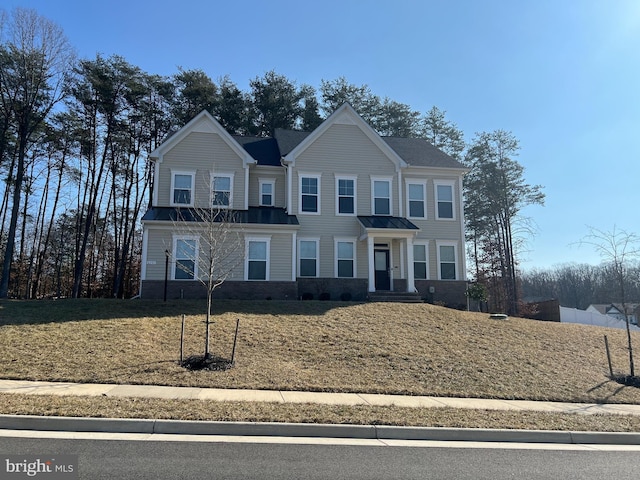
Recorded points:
(28,312)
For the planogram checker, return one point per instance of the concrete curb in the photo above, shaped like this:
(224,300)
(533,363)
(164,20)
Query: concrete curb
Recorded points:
(374,432)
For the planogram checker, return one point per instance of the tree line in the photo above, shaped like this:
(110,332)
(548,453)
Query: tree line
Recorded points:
(75,135)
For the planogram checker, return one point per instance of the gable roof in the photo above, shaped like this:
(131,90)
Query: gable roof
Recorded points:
(345,115)
(204,123)
(269,151)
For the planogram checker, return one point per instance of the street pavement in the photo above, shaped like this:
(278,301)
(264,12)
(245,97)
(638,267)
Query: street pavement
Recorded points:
(307,430)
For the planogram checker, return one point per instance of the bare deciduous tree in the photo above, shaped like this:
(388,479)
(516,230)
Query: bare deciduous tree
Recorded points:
(618,248)
(212,247)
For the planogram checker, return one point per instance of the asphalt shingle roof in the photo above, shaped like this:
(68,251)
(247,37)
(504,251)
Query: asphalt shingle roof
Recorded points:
(415,151)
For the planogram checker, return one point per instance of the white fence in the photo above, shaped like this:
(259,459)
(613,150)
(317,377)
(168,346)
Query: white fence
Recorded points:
(573,315)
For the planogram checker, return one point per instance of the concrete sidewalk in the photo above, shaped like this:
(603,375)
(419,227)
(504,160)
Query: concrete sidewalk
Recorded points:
(231,395)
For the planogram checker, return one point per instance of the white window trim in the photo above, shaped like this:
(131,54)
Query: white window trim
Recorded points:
(454,244)
(423,184)
(373,197)
(174,258)
(231,177)
(267,181)
(193,187)
(318,177)
(353,178)
(425,244)
(352,240)
(266,239)
(449,183)
(316,240)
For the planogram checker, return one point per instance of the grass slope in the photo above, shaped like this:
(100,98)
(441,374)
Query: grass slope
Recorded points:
(416,349)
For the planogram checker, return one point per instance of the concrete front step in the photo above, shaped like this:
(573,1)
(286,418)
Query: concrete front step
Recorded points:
(402,297)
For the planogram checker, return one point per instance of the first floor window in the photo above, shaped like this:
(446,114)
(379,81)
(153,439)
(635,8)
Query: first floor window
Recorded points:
(447,259)
(221,191)
(182,189)
(420,262)
(185,255)
(308,258)
(345,258)
(257,259)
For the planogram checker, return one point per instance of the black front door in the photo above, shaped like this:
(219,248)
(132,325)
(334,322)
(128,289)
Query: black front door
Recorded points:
(381,261)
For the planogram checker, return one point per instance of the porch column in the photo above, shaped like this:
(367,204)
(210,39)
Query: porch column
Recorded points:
(411,285)
(372,266)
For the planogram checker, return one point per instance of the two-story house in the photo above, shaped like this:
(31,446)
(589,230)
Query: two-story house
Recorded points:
(339,211)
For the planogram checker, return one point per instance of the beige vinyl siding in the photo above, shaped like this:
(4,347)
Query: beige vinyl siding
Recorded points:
(161,238)
(280,256)
(158,241)
(263,172)
(201,153)
(344,150)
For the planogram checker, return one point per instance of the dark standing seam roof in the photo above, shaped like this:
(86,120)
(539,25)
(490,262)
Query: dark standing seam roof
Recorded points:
(264,150)
(396,223)
(254,215)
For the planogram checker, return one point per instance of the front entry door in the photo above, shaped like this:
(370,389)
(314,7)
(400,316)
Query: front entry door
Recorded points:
(381,261)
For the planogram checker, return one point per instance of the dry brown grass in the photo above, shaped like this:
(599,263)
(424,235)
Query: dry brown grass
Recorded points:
(415,349)
(303,413)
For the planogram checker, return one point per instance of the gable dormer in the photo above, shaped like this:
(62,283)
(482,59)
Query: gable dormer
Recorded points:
(201,163)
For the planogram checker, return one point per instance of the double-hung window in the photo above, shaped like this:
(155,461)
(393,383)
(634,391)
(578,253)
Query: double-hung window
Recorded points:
(345,253)
(309,193)
(416,199)
(308,253)
(221,189)
(447,261)
(257,258)
(420,261)
(346,195)
(185,254)
(182,189)
(381,196)
(444,200)
(267,191)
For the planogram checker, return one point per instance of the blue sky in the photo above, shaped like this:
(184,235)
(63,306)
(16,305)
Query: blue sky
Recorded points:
(562,75)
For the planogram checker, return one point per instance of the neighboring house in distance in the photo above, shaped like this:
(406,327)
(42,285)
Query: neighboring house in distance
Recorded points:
(616,311)
(340,210)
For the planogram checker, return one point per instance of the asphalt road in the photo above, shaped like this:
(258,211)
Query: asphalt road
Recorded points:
(109,459)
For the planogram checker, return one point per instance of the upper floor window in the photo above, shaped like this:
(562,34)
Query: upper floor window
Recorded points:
(416,200)
(346,190)
(447,261)
(308,252)
(267,191)
(444,200)
(381,196)
(182,188)
(185,254)
(257,258)
(221,188)
(310,194)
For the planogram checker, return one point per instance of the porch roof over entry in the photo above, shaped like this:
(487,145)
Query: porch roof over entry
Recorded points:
(386,222)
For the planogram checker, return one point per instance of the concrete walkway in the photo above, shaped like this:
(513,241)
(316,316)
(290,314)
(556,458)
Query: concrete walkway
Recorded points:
(231,395)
